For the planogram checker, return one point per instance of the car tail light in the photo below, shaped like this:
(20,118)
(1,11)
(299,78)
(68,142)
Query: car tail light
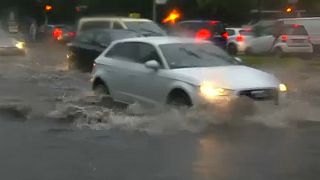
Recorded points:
(284,38)
(295,25)
(240,38)
(214,22)
(225,35)
(72,34)
(57,32)
(203,34)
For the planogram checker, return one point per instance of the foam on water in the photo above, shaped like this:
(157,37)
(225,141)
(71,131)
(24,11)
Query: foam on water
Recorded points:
(87,112)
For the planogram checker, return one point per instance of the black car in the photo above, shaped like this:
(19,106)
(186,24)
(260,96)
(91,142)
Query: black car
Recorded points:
(87,46)
(202,29)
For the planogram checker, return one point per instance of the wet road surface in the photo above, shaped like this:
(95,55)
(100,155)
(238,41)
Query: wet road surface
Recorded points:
(52,127)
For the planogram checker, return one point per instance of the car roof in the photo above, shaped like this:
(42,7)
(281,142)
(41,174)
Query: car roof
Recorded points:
(197,21)
(236,29)
(125,19)
(113,32)
(304,18)
(162,40)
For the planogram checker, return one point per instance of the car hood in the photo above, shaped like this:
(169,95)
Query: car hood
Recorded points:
(229,77)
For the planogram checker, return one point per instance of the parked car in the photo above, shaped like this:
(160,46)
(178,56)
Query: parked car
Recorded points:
(10,45)
(85,48)
(312,26)
(281,40)
(239,39)
(213,31)
(178,71)
(145,27)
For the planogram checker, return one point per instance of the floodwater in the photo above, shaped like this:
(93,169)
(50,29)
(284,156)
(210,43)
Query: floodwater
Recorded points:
(53,127)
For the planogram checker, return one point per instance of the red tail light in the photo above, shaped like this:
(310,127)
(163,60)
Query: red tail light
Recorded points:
(240,38)
(295,25)
(72,34)
(203,34)
(57,32)
(214,22)
(225,35)
(284,38)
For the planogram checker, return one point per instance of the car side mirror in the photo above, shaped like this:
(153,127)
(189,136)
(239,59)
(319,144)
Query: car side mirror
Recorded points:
(152,64)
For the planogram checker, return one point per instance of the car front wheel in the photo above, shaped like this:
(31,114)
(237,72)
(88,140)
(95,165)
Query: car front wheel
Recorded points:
(179,100)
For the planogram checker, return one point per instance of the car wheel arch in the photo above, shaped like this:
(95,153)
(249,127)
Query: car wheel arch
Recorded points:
(178,91)
(98,81)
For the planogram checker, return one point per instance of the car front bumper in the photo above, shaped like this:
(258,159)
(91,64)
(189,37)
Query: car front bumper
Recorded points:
(235,107)
(225,101)
(11,51)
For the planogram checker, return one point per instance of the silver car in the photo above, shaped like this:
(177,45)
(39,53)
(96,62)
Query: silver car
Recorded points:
(178,71)
(238,40)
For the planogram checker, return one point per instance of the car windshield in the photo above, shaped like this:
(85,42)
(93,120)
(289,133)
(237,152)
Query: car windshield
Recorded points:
(189,55)
(145,27)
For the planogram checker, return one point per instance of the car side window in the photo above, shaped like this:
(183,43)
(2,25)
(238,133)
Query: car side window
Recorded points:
(95,25)
(124,51)
(231,32)
(148,52)
(117,25)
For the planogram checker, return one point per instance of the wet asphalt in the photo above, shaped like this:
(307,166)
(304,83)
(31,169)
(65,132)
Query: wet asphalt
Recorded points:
(51,129)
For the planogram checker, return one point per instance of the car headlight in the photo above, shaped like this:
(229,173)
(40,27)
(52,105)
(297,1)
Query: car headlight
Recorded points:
(20,45)
(283,88)
(209,91)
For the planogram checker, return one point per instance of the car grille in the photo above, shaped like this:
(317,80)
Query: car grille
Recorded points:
(260,94)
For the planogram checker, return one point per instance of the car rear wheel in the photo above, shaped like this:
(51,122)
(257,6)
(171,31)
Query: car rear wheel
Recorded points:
(232,49)
(248,52)
(101,89)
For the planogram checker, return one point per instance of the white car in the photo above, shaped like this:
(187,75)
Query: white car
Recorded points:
(312,25)
(10,45)
(144,26)
(238,40)
(168,70)
(283,40)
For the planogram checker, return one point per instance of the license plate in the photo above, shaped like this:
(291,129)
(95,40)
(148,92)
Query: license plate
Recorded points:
(298,41)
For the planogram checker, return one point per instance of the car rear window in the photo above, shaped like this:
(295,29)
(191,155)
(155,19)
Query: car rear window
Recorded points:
(295,30)
(246,32)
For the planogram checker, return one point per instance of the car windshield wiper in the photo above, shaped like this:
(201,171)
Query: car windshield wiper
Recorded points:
(190,52)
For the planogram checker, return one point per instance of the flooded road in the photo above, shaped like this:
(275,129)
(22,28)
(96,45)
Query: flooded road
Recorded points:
(52,127)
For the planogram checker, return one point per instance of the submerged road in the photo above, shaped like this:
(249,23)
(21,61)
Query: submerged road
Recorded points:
(52,128)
